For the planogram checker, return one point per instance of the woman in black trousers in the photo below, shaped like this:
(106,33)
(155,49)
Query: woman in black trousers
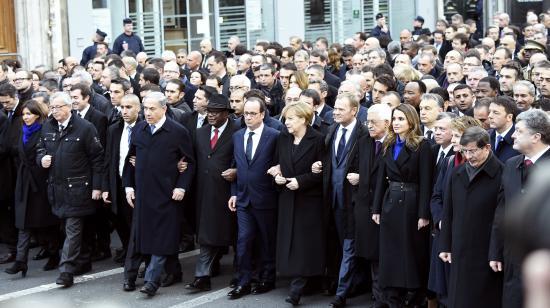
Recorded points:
(402,208)
(33,213)
(301,223)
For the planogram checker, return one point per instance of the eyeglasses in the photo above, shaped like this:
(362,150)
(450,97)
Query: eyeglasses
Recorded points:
(250,114)
(292,99)
(233,88)
(57,107)
(470,152)
(20,79)
(171,72)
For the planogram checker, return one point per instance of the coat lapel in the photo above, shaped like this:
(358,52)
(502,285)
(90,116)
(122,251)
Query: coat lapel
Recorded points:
(261,143)
(304,146)
(224,137)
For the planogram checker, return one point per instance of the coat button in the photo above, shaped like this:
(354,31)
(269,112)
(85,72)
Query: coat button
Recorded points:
(70,185)
(77,139)
(209,156)
(66,139)
(400,201)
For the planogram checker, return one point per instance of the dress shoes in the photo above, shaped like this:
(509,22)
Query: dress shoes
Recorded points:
(148,289)
(239,292)
(293,300)
(42,254)
(199,285)
(83,269)
(65,279)
(338,302)
(263,287)
(170,279)
(129,285)
(8,258)
(53,263)
(101,255)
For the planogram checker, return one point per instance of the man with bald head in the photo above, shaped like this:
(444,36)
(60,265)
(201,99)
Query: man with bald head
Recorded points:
(206,50)
(194,60)
(405,36)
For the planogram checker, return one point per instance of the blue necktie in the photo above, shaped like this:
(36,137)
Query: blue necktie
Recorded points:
(129,128)
(152,128)
(248,150)
(499,140)
(341,145)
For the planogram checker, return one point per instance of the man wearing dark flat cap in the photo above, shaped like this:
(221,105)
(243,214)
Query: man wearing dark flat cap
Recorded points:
(418,29)
(381,29)
(90,52)
(128,40)
(216,224)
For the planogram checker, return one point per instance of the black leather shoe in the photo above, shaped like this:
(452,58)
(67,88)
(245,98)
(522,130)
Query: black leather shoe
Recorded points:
(233,283)
(199,285)
(17,267)
(129,285)
(53,263)
(239,292)
(83,269)
(101,255)
(148,289)
(8,258)
(42,254)
(170,279)
(65,279)
(263,287)
(293,300)
(120,256)
(338,302)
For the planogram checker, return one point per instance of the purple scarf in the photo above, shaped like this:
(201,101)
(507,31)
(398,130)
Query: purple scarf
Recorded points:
(29,130)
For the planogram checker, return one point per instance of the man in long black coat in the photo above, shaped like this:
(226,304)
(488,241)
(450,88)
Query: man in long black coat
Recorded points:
(469,209)
(216,224)
(156,187)
(532,139)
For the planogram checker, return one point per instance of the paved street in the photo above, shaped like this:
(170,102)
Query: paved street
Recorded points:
(102,288)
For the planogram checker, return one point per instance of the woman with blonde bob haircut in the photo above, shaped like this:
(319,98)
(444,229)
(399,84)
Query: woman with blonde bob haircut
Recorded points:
(301,239)
(402,209)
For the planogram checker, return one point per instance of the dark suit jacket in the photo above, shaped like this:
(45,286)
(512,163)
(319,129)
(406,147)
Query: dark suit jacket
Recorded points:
(100,103)
(505,149)
(435,152)
(99,120)
(326,114)
(332,79)
(254,187)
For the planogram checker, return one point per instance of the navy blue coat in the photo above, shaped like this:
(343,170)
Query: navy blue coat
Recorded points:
(254,186)
(505,149)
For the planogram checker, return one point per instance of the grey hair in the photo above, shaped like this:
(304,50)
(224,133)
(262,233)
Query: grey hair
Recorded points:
(356,86)
(428,55)
(433,97)
(158,97)
(536,121)
(383,110)
(241,79)
(66,98)
(530,87)
(394,47)
(479,69)
(381,53)
(83,77)
(302,53)
(446,115)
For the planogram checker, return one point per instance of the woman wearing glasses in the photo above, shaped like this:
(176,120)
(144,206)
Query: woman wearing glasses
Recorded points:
(33,213)
(402,208)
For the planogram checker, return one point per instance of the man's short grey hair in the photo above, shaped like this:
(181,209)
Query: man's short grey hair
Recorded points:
(66,98)
(446,115)
(83,77)
(433,97)
(318,68)
(113,72)
(480,70)
(323,86)
(302,54)
(158,97)
(536,121)
(241,79)
(381,53)
(428,55)
(530,87)
(383,111)
(394,47)
(356,86)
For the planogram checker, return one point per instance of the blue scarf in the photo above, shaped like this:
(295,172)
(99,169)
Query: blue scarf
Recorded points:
(29,130)
(397,147)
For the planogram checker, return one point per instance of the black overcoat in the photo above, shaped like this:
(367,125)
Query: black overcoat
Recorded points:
(301,238)
(157,217)
(216,224)
(32,209)
(404,251)
(468,215)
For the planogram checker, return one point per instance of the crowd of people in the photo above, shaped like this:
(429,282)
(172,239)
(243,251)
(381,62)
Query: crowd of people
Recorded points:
(379,165)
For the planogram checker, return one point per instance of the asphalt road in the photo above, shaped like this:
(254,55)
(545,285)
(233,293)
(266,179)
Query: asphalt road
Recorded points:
(103,288)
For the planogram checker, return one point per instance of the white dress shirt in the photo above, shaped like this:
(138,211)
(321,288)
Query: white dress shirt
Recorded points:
(124,146)
(83,112)
(538,155)
(349,128)
(200,119)
(158,125)
(220,130)
(255,138)
(66,122)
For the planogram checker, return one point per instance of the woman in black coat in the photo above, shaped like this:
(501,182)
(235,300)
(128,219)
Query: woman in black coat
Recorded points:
(301,224)
(33,213)
(402,208)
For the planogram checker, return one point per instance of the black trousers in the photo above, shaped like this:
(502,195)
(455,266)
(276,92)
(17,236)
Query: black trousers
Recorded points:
(75,251)
(122,219)
(207,257)
(48,237)
(133,258)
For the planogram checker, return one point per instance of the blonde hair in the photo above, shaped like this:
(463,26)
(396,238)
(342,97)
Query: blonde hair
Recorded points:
(407,73)
(301,109)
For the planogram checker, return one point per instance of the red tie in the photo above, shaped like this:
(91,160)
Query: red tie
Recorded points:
(528,163)
(214,139)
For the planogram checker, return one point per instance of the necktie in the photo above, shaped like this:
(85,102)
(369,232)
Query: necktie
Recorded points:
(429,134)
(248,150)
(152,128)
(214,139)
(527,163)
(61,128)
(129,128)
(441,158)
(10,115)
(499,140)
(377,147)
(341,145)
(80,114)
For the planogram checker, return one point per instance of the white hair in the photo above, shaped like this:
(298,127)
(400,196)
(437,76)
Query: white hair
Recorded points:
(383,111)
(66,98)
(158,97)
(83,77)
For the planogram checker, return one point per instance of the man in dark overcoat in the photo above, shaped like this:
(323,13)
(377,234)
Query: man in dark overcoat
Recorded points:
(156,187)
(216,224)
(469,209)
(532,140)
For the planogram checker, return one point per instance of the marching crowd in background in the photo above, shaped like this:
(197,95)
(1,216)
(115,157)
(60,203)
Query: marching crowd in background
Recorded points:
(384,165)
